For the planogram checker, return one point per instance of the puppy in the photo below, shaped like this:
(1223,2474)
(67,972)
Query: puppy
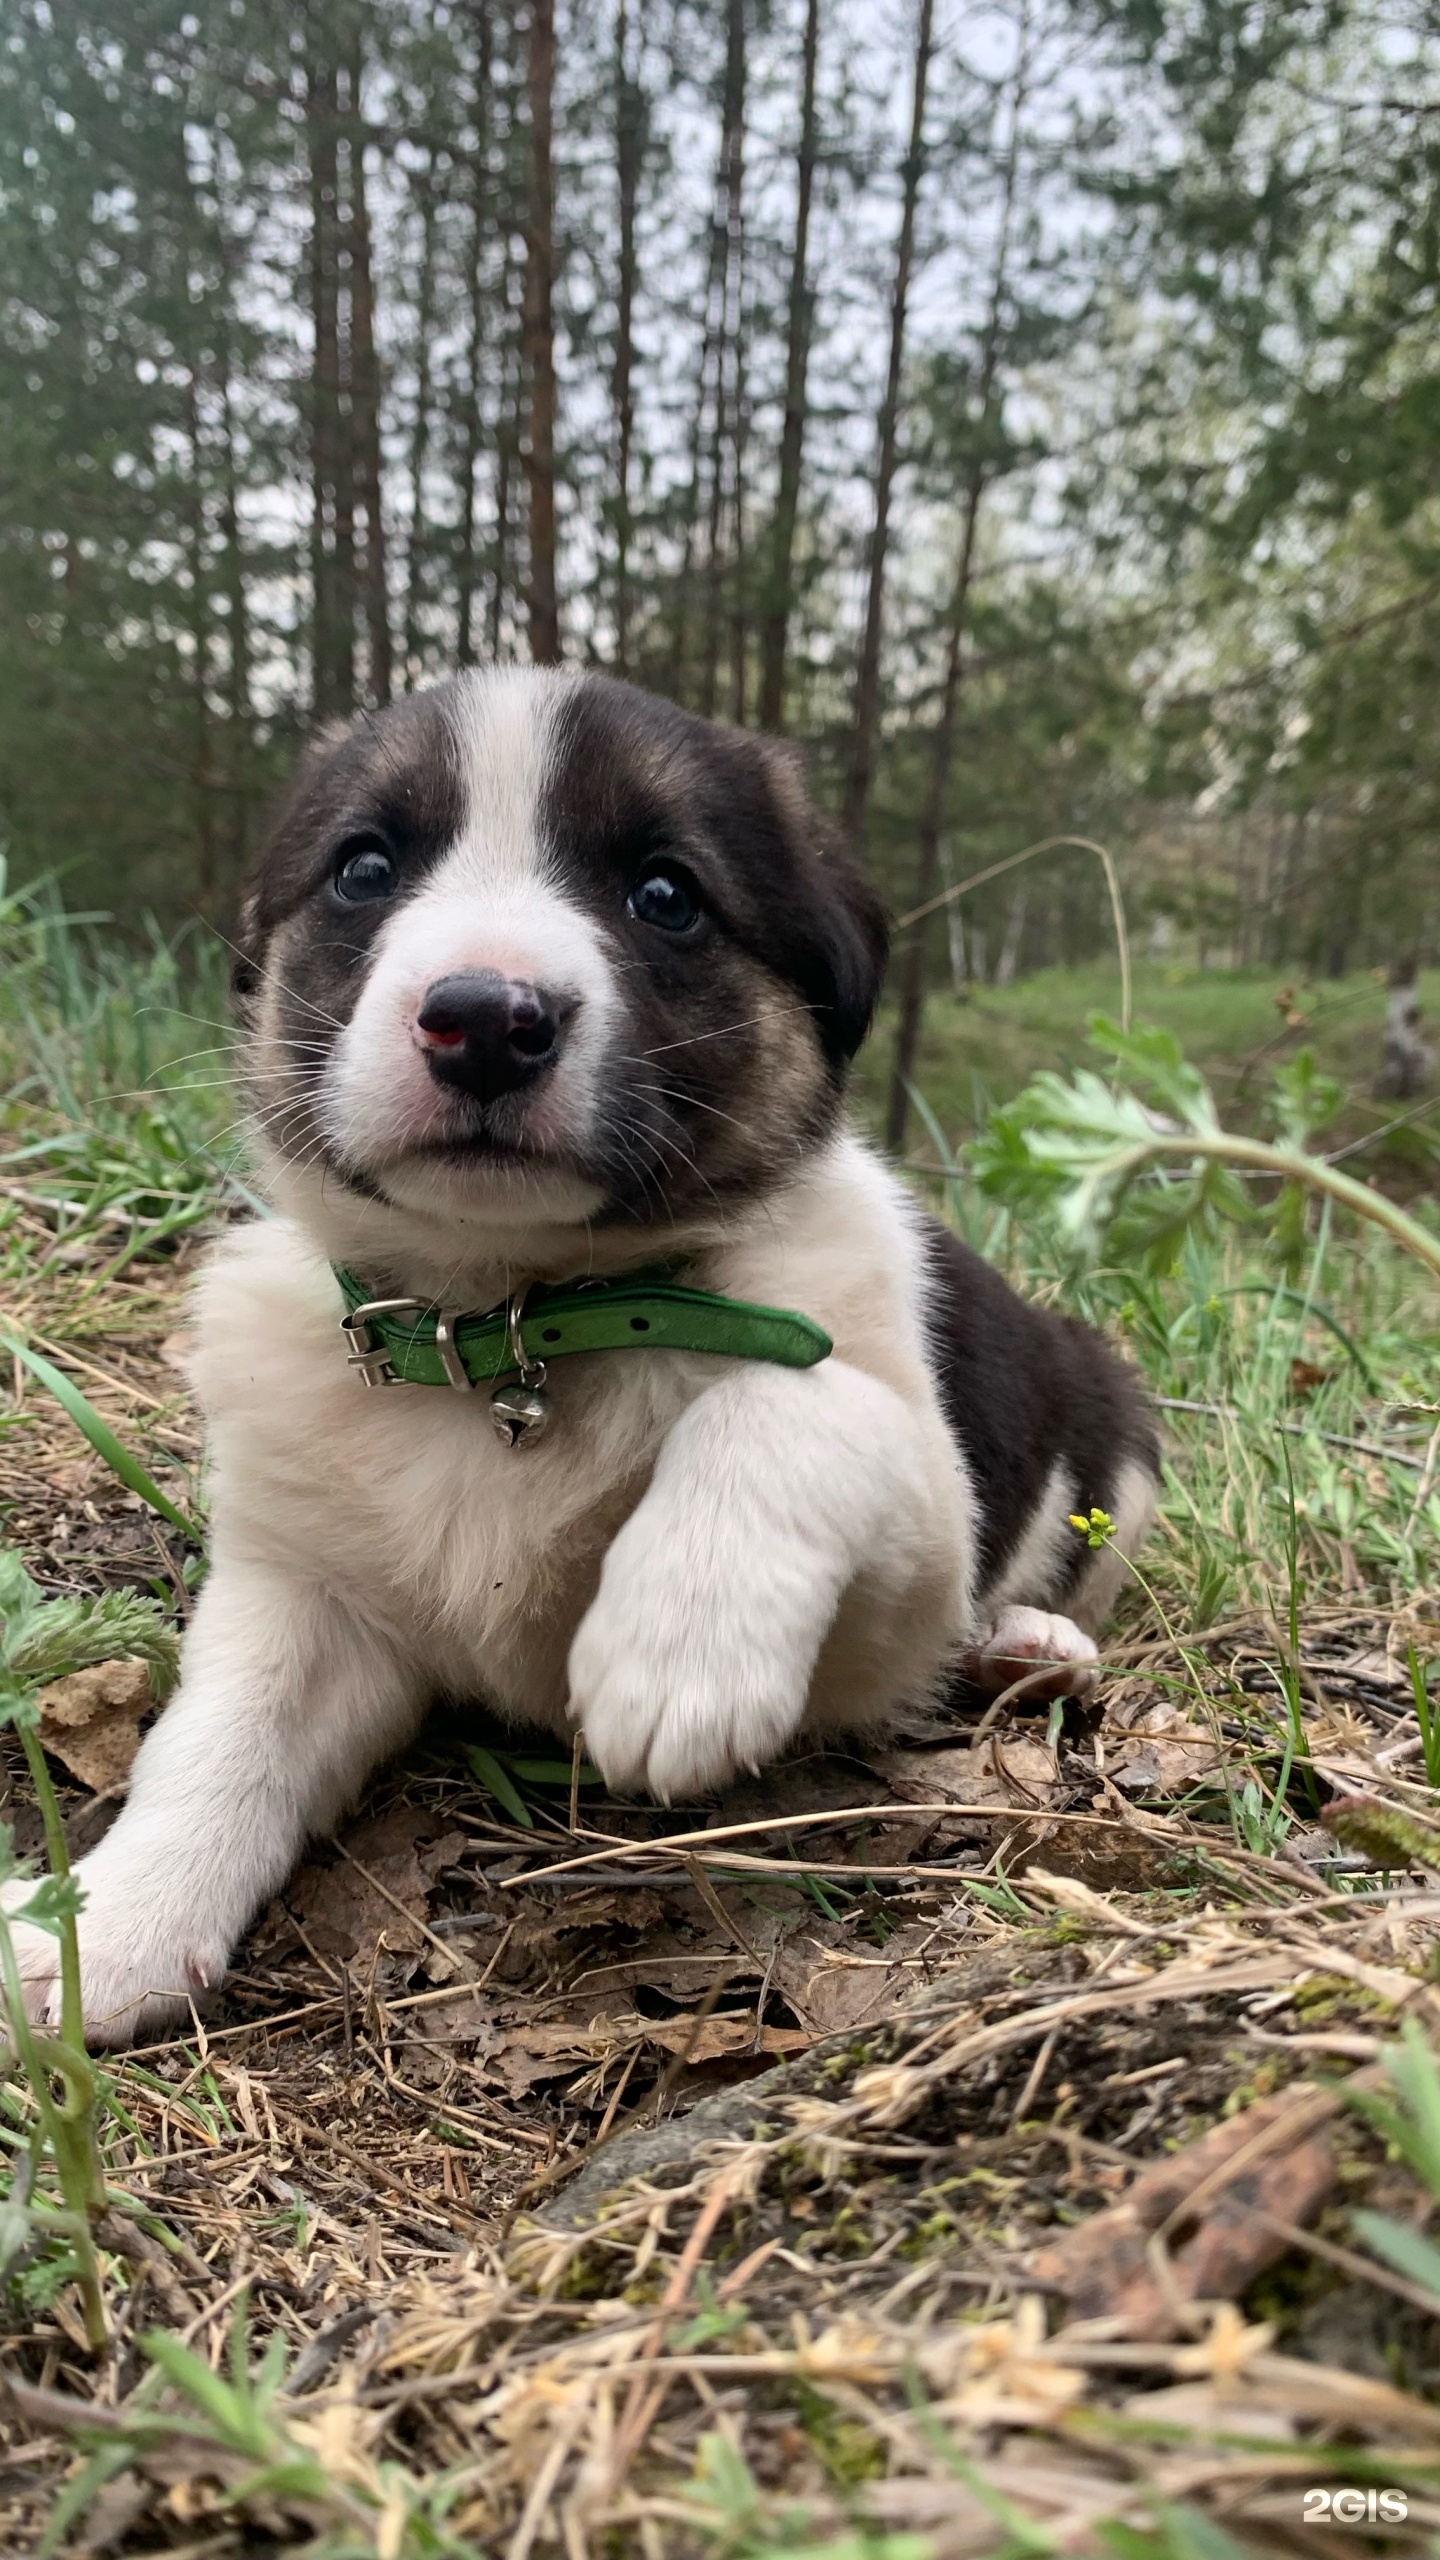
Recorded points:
(546,981)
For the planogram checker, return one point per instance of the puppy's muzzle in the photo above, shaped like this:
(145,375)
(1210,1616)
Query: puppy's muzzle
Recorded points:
(486,1035)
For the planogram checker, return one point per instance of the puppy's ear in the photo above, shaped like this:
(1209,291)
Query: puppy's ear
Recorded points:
(847,925)
(245,962)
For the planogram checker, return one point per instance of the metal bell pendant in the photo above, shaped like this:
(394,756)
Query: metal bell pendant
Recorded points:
(519,1412)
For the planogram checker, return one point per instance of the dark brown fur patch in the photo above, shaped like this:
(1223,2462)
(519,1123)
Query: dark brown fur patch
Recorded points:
(731,1061)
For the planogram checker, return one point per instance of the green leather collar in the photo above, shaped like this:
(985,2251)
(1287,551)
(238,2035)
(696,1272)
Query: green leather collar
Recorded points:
(409,1342)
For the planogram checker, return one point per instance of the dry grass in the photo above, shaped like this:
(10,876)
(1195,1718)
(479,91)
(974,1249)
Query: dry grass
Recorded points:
(936,2151)
(678,2204)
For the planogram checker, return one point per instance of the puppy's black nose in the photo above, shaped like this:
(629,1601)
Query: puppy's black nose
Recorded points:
(486,1035)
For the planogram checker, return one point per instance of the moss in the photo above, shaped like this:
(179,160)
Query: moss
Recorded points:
(848,2450)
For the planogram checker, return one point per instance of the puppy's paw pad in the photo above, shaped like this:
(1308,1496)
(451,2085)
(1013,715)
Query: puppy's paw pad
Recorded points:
(1022,1642)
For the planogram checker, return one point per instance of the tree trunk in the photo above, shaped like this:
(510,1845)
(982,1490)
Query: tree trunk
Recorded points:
(727,270)
(332,518)
(509,433)
(865,715)
(237,623)
(629,154)
(467,572)
(932,825)
(678,684)
(365,404)
(543,608)
(942,748)
(203,760)
(799,324)
(415,543)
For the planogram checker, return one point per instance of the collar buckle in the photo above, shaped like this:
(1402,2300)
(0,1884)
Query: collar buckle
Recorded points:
(370,1356)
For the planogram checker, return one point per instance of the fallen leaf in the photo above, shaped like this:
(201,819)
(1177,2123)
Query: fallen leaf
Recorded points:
(1006,1770)
(345,1913)
(1160,1753)
(832,1990)
(1103,2265)
(1305,1377)
(91,1720)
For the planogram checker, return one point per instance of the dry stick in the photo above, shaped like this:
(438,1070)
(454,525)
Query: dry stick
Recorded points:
(395,1903)
(1047,844)
(718,1912)
(1299,1431)
(1368,2270)
(696,1841)
(644,2401)
(372,2169)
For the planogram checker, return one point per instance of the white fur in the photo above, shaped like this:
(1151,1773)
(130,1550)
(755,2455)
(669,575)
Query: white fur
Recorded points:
(720,1551)
(1135,1497)
(1034,1568)
(701,1555)
(491,903)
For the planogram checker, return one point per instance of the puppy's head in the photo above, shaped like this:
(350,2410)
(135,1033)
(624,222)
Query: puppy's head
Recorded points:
(543,949)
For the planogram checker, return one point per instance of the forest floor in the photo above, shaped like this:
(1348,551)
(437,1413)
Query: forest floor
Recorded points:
(952,2148)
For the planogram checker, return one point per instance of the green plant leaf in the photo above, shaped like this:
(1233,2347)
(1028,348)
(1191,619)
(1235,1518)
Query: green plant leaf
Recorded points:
(1410,2251)
(498,1782)
(1305,1100)
(99,1434)
(553,1773)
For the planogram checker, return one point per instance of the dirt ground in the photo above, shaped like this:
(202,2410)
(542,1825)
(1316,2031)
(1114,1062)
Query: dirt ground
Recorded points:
(950,2140)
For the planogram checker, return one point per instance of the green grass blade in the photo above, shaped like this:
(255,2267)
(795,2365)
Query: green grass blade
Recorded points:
(1410,2251)
(498,1782)
(100,1436)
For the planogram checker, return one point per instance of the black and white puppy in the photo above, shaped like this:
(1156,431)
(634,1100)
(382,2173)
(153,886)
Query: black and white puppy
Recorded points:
(652,972)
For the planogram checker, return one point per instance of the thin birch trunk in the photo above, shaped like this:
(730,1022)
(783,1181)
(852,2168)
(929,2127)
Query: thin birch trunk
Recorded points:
(728,191)
(332,519)
(468,567)
(415,543)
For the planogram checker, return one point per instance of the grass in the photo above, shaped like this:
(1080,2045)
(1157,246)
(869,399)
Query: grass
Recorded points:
(348,2306)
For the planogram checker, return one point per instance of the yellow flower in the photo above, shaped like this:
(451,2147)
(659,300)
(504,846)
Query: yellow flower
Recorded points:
(1094,1527)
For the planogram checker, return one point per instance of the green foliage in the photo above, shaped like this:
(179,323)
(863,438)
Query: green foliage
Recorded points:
(1076,1148)
(1425,1717)
(41,1640)
(743,2524)
(260,2455)
(106,1444)
(1410,2124)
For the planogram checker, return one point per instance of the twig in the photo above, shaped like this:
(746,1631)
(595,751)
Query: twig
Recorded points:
(1299,1430)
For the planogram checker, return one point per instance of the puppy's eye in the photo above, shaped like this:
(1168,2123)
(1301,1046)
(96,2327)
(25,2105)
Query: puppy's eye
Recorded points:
(366,870)
(663,899)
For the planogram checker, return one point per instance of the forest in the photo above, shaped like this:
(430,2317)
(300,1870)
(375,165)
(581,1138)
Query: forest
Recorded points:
(1030,412)
(1014,2135)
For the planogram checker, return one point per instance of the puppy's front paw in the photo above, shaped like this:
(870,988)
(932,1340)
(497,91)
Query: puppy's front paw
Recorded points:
(1030,1641)
(682,1673)
(140,1964)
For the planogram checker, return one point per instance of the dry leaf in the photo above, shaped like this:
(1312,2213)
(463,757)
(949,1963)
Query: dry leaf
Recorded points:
(831,1989)
(1007,1770)
(345,1913)
(1103,2266)
(91,1721)
(1161,1753)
